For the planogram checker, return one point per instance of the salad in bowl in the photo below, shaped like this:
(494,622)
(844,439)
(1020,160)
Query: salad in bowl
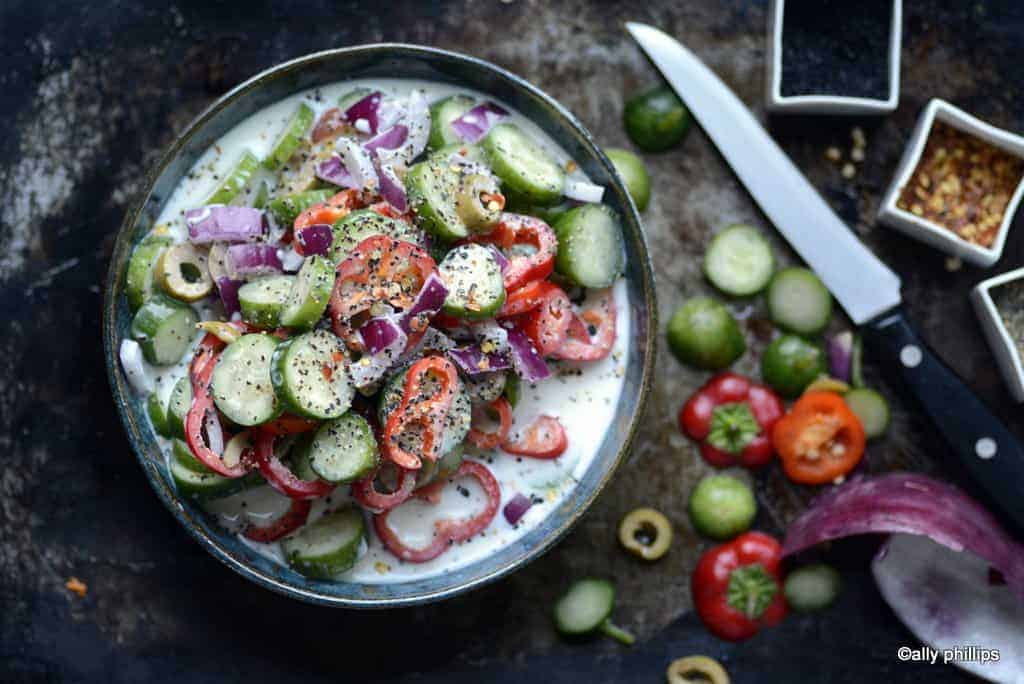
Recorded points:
(380,327)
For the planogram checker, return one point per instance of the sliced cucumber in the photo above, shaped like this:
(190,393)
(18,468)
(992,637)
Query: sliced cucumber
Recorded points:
(290,138)
(310,294)
(590,251)
(799,302)
(196,481)
(178,406)
(308,374)
(739,261)
(343,450)
(263,300)
(327,547)
(241,383)
(485,387)
(513,389)
(164,328)
(812,587)
(431,186)
(286,209)
(456,424)
(476,289)
(585,607)
(472,153)
(526,170)
(872,409)
(356,226)
(236,179)
(442,113)
(158,415)
(141,269)
(300,465)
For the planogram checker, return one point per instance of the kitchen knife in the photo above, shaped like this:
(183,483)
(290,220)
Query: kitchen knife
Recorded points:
(863,285)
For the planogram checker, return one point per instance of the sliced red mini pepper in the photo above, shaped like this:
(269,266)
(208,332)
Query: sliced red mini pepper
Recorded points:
(732,419)
(736,587)
(547,325)
(379,270)
(336,207)
(294,518)
(279,476)
(820,439)
(418,423)
(366,494)
(200,371)
(515,230)
(591,333)
(545,438)
(446,532)
(492,440)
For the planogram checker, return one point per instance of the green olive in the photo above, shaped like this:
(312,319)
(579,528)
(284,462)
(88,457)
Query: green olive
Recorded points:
(722,507)
(694,669)
(656,120)
(702,333)
(646,533)
(182,272)
(633,173)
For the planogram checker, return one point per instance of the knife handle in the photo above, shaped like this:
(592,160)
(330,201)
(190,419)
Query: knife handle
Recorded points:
(985,447)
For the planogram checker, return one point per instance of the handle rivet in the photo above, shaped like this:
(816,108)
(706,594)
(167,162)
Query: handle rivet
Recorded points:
(910,356)
(985,448)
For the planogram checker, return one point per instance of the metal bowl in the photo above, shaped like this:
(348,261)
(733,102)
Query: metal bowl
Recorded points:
(383,60)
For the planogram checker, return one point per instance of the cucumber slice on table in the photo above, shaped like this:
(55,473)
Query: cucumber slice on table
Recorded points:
(476,289)
(799,302)
(241,384)
(327,547)
(164,328)
(590,251)
(872,409)
(236,180)
(290,138)
(158,415)
(356,226)
(141,268)
(309,376)
(442,113)
(287,208)
(526,170)
(456,426)
(310,293)
(178,406)
(586,605)
(263,300)
(343,450)
(431,186)
(196,481)
(739,261)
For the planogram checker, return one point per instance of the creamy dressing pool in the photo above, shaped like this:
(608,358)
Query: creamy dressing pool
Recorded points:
(583,396)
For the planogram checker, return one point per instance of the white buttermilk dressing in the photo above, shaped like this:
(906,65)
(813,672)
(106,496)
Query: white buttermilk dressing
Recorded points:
(582,396)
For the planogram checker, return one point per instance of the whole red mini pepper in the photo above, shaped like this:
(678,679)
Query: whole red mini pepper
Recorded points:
(737,587)
(732,419)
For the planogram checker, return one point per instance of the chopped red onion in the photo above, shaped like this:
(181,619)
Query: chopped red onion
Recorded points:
(582,191)
(526,360)
(358,163)
(255,259)
(365,109)
(472,360)
(474,124)
(909,503)
(379,333)
(228,289)
(516,508)
(391,188)
(389,340)
(333,171)
(131,361)
(390,139)
(427,303)
(840,354)
(315,239)
(217,223)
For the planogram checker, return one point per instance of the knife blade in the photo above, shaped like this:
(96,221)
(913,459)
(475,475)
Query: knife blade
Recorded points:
(865,287)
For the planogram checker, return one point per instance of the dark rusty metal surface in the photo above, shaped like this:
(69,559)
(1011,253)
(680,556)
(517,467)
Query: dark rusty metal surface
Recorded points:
(89,95)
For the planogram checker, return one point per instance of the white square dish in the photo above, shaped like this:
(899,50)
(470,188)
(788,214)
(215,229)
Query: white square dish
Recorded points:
(926,231)
(778,103)
(997,334)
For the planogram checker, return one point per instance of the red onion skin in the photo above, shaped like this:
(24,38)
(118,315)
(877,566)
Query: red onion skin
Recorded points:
(390,139)
(333,171)
(428,302)
(315,239)
(526,361)
(378,333)
(250,259)
(474,124)
(229,294)
(365,108)
(515,509)
(469,360)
